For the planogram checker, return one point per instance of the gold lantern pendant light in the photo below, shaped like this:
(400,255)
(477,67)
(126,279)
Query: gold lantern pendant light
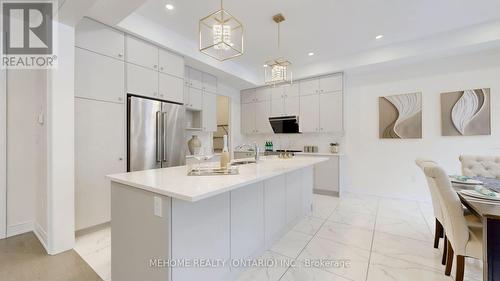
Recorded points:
(278,70)
(221,35)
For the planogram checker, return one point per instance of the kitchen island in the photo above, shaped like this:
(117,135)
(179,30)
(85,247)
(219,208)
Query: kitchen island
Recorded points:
(166,225)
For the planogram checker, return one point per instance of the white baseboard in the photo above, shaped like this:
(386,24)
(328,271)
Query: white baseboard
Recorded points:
(41,234)
(19,228)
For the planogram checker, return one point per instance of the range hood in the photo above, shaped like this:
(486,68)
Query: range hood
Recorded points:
(285,124)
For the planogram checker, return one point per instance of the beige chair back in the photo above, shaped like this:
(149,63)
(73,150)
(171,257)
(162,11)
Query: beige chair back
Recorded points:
(436,204)
(480,166)
(454,221)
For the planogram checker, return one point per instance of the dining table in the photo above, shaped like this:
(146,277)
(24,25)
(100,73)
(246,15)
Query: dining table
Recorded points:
(489,213)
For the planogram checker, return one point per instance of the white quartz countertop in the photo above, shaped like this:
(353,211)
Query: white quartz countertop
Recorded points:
(174,181)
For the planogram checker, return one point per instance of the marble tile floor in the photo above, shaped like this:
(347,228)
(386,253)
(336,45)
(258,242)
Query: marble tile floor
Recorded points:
(370,238)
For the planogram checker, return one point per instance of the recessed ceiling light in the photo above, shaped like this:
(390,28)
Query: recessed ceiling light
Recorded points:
(169,6)
(380,36)
(265,65)
(310,54)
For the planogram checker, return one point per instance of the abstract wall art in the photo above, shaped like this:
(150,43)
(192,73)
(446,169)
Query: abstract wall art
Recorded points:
(466,113)
(400,116)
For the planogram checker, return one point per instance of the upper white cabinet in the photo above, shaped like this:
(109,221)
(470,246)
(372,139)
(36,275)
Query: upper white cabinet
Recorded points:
(142,53)
(171,63)
(309,87)
(248,96)
(193,98)
(262,113)
(171,88)
(99,77)
(248,118)
(291,90)
(193,78)
(142,81)
(209,112)
(326,84)
(309,114)
(99,38)
(317,102)
(209,83)
(263,94)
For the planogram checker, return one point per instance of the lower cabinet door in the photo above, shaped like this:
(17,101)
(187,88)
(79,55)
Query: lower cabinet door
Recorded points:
(293,197)
(99,151)
(274,208)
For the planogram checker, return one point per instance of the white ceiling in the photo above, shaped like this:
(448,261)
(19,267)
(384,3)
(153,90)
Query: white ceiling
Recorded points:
(332,29)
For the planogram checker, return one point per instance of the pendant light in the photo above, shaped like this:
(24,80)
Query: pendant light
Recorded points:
(278,70)
(221,35)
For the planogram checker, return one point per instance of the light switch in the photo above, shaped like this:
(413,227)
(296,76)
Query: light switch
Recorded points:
(157,207)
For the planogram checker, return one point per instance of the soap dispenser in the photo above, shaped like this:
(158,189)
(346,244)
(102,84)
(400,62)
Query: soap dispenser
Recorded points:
(224,157)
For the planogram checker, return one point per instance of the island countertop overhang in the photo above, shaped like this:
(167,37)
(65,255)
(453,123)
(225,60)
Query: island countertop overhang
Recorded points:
(174,181)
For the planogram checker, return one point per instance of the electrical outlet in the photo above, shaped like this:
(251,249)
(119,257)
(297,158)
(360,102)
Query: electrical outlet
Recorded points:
(157,207)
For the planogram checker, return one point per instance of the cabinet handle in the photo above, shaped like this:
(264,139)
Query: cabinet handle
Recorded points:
(119,99)
(155,66)
(120,159)
(161,68)
(120,55)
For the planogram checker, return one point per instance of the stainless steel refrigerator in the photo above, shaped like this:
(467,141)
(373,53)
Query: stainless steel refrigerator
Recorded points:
(155,132)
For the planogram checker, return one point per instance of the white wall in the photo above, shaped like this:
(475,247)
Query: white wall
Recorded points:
(25,92)
(61,145)
(386,167)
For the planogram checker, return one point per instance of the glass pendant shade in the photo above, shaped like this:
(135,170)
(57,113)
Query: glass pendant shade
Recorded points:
(221,35)
(278,71)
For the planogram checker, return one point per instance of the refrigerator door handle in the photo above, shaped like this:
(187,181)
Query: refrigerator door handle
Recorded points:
(165,138)
(158,136)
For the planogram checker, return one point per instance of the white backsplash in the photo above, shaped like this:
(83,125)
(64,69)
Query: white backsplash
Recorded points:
(296,141)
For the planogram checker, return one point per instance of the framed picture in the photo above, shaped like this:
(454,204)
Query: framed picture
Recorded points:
(400,116)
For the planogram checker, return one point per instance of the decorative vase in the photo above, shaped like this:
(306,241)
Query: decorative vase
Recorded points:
(194,145)
(334,149)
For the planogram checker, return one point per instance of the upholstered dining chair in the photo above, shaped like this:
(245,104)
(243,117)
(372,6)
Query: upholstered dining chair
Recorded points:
(463,240)
(436,206)
(480,166)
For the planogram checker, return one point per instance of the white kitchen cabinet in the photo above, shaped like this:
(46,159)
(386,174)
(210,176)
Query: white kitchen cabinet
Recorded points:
(309,86)
(100,38)
(248,118)
(275,92)
(263,94)
(193,78)
(171,63)
(292,106)
(209,83)
(209,112)
(291,90)
(277,107)
(294,193)
(247,221)
(99,151)
(248,96)
(330,112)
(193,98)
(171,88)
(262,113)
(332,83)
(99,77)
(274,208)
(309,115)
(141,53)
(142,81)
(327,175)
